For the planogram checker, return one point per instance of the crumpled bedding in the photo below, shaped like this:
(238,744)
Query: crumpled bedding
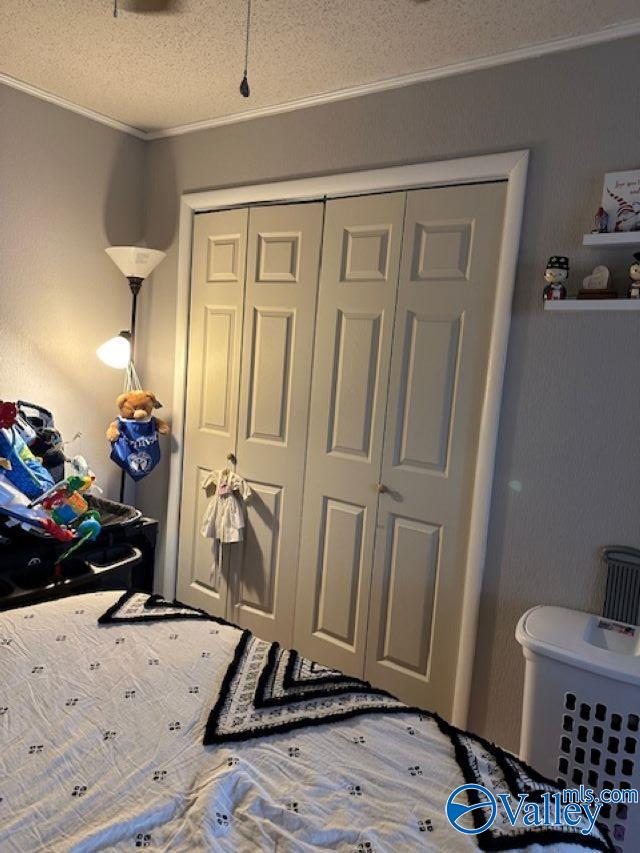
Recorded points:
(101,732)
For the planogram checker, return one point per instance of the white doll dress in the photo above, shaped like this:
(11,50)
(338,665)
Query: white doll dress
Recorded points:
(224,516)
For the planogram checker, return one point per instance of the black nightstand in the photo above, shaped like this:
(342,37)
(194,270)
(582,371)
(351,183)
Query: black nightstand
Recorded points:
(122,556)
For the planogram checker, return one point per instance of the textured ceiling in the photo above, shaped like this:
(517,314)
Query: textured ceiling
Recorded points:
(158,70)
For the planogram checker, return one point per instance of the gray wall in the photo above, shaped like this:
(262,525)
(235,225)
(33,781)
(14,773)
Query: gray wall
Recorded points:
(570,414)
(68,188)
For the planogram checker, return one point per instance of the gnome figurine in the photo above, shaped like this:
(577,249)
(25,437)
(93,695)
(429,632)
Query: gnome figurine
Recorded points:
(556,273)
(634,272)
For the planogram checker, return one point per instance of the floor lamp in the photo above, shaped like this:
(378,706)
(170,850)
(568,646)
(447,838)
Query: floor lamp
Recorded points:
(136,264)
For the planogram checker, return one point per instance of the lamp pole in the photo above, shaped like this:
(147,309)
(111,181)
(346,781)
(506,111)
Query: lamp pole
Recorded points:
(135,283)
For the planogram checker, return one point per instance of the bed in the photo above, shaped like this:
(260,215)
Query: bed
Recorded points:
(128,722)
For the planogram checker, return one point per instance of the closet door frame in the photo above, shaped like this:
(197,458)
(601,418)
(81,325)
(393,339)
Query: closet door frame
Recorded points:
(509,166)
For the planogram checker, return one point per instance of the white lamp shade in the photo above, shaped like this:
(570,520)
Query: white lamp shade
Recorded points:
(116,352)
(135,261)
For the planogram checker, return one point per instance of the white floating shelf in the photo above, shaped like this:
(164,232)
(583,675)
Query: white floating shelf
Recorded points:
(592,305)
(613,239)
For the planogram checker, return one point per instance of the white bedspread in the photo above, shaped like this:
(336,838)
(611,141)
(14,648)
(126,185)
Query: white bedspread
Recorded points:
(101,749)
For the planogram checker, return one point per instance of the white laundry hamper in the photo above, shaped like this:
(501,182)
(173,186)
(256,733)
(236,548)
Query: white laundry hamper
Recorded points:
(581,708)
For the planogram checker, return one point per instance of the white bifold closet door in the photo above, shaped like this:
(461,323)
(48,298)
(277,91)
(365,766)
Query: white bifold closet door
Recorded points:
(213,380)
(283,258)
(360,260)
(393,440)
(443,329)
(253,303)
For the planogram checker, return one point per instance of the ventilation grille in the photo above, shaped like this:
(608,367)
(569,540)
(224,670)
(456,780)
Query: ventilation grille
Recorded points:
(599,749)
(622,596)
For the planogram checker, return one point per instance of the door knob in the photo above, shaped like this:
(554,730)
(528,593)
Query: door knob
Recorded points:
(382,488)
(231,457)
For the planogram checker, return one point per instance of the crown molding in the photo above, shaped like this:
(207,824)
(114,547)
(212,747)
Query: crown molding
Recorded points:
(617,31)
(36,92)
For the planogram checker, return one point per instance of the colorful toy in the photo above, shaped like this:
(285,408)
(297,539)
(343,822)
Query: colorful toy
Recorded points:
(134,435)
(88,530)
(64,501)
(16,506)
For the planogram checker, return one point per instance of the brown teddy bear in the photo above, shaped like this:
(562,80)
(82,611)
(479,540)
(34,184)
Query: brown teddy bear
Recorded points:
(137,406)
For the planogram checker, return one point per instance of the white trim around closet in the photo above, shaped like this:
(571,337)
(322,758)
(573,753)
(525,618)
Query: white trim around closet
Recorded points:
(510,166)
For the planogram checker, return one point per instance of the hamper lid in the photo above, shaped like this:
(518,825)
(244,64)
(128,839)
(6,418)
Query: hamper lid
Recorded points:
(584,640)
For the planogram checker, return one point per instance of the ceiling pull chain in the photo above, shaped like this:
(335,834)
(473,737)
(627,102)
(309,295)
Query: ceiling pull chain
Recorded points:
(115,8)
(244,86)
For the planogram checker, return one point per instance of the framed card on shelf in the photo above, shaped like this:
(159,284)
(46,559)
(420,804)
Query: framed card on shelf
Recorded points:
(621,200)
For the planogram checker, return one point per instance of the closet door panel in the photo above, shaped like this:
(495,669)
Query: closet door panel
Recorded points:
(340,569)
(355,379)
(356,303)
(437,385)
(215,332)
(259,570)
(283,259)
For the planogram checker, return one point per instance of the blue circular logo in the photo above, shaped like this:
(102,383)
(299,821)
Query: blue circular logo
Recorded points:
(458,805)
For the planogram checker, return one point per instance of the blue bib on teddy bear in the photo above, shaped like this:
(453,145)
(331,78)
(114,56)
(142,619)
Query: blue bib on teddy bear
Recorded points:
(137,449)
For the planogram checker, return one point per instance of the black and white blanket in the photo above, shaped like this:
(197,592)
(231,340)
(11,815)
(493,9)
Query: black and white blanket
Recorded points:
(102,730)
